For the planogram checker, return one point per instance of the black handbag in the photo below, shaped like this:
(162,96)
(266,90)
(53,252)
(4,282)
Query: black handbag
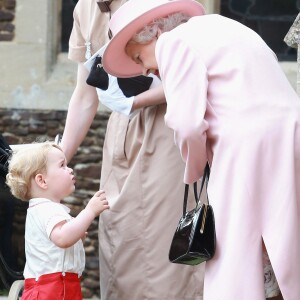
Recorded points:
(194,240)
(97,76)
(130,86)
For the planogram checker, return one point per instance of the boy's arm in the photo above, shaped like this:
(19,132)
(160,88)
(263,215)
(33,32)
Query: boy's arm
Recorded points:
(66,234)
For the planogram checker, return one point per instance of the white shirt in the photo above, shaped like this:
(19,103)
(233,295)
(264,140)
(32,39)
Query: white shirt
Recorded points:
(42,255)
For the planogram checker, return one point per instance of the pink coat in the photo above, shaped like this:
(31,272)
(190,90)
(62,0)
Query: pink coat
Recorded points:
(229,101)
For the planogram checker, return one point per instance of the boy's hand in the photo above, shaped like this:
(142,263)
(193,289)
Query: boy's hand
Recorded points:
(98,203)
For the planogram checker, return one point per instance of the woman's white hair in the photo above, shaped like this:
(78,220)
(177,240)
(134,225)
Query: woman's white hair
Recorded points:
(150,31)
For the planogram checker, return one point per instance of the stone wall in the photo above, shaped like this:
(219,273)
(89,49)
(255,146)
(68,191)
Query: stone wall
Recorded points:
(25,126)
(7,15)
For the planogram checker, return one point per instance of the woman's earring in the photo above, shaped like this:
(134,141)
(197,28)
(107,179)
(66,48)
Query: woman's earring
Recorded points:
(158,33)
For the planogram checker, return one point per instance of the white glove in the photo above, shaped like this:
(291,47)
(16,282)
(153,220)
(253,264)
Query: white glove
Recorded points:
(113,97)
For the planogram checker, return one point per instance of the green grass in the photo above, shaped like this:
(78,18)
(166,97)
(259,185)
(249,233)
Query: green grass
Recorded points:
(3,292)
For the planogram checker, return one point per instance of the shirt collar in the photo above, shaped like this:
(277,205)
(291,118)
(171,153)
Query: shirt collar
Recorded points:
(37,201)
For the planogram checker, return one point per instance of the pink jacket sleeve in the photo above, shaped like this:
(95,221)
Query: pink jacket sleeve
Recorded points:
(185,82)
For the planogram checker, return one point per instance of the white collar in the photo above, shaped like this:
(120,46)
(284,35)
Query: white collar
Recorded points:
(37,201)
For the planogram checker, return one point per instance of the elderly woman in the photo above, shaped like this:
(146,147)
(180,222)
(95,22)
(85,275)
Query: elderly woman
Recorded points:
(228,102)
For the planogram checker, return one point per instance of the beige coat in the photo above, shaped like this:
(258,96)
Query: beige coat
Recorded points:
(142,175)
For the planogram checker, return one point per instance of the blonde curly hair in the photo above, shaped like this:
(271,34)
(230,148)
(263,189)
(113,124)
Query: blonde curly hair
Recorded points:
(24,164)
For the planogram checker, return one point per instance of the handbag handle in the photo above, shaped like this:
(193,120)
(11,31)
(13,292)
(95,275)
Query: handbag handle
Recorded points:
(205,178)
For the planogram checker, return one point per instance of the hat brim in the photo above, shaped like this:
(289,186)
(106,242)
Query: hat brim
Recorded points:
(115,60)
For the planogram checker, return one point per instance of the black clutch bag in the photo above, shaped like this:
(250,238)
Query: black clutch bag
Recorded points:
(194,240)
(134,85)
(130,86)
(97,76)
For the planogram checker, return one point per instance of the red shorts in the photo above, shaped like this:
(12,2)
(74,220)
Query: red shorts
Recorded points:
(53,286)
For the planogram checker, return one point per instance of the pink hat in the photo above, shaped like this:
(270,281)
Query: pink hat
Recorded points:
(132,17)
